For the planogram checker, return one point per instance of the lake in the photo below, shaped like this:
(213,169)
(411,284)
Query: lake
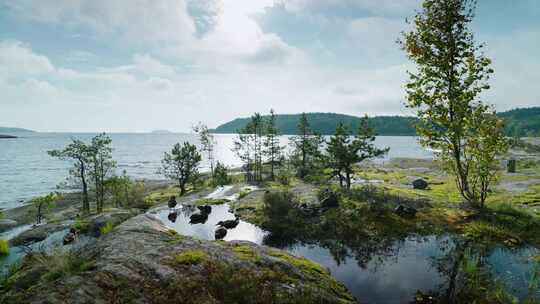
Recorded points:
(26,171)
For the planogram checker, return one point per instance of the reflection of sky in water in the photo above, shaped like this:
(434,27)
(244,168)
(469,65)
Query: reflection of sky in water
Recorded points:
(392,279)
(244,231)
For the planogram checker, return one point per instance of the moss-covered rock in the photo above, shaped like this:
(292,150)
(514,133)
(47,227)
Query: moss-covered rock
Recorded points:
(141,261)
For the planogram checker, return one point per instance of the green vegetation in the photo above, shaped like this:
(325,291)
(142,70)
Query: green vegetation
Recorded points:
(452,73)
(92,164)
(107,228)
(211,201)
(190,257)
(42,203)
(306,157)
(207,142)
(245,252)
(4,247)
(300,262)
(526,121)
(343,152)
(221,175)
(182,165)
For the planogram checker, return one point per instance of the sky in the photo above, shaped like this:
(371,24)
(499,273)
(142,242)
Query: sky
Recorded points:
(142,65)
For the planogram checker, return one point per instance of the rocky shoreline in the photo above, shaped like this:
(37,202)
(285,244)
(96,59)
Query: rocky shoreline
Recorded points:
(142,261)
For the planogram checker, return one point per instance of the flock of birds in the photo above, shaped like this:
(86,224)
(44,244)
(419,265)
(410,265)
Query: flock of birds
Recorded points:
(201,217)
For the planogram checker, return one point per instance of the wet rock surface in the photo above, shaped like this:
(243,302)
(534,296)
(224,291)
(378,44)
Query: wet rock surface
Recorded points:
(141,261)
(35,234)
(6,224)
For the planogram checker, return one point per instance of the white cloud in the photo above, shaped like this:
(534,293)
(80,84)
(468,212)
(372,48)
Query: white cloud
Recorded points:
(17,59)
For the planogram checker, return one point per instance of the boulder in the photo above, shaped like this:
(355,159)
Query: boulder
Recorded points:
(6,224)
(405,211)
(420,184)
(141,262)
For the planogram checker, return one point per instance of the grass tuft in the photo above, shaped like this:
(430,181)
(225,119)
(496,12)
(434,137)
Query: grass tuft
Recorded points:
(4,247)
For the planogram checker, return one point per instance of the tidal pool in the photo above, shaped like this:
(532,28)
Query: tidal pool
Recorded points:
(392,273)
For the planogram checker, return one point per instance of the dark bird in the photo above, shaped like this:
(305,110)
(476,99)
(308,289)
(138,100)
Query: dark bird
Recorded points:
(220,233)
(229,224)
(198,218)
(172,216)
(172,202)
(205,209)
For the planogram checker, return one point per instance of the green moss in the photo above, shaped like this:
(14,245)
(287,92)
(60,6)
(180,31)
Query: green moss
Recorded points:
(107,228)
(161,195)
(246,253)
(4,247)
(190,257)
(211,201)
(81,225)
(301,263)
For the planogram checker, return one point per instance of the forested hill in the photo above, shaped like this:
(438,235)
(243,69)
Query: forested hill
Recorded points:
(524,121)
(325,123)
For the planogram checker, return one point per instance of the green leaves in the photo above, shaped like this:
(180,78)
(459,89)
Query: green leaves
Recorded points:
(452,73)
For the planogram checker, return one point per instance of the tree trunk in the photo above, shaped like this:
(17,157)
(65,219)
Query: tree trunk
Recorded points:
(348,180)
(85,205)
(182,187)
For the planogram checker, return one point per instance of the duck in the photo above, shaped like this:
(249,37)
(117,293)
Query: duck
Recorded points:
(205,209)
(198,218)
(172,216)
(172,202)
(229,224)
(220,233)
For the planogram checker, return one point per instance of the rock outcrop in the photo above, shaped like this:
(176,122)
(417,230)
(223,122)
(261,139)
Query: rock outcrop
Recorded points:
(142,261)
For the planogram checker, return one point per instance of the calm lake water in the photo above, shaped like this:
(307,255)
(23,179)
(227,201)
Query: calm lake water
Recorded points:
(26,171)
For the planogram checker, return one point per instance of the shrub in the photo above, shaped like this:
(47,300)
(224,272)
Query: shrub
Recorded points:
(278,203)
(221,176)
(284,177)
(4,247)
(58,264)
(106,229)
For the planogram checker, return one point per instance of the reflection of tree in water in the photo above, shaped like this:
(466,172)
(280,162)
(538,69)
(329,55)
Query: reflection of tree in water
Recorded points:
(468,276)
(334,233)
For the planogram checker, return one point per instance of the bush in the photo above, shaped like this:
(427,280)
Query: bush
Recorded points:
(284,177)
(221,176)
(106,229)
(278,203)
(4,247)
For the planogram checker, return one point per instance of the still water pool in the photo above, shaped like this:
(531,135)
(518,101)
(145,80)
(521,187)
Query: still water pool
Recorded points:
(393,273)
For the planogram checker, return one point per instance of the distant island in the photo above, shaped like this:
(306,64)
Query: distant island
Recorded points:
(521,122)
(7,136)
(161,132)
(14,131)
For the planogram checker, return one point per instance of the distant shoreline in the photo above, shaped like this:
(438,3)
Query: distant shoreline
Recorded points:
(7,136)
